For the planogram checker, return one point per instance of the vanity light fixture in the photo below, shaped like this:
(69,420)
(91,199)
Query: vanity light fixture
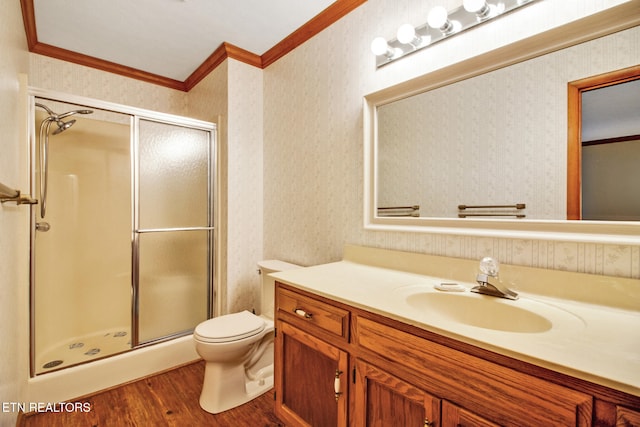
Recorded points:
(441,25)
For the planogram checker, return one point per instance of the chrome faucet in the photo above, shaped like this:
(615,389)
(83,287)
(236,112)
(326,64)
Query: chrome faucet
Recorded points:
(489,283)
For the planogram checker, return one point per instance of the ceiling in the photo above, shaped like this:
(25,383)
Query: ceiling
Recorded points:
(174,42)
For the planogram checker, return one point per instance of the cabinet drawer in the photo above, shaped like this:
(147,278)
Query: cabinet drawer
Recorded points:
(314,312)
(477,384)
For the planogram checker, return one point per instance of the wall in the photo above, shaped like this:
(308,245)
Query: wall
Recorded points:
(66,77)
(232,97)
(313,137)
(14,240)
(245,191)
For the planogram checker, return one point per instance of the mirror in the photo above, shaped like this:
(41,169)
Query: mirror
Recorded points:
(484,140)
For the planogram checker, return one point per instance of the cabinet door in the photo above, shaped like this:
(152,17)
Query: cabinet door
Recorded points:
(627,417)
(454,416)
(310,379)
(382,400)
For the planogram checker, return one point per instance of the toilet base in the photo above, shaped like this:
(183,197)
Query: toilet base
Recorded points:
(227,386)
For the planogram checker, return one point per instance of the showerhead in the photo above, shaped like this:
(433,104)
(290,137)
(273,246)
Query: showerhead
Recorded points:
(71,113)
(62,126)
(58,117)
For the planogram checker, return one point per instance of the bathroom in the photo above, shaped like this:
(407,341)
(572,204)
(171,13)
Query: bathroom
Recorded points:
(316,154)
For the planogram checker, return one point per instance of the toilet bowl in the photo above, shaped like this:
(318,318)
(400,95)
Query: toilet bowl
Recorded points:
(238,350)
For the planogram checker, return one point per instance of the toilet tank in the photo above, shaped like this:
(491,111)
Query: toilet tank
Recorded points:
(268,283)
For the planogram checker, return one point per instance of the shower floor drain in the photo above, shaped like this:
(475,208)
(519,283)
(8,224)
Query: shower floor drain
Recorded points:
(52,364)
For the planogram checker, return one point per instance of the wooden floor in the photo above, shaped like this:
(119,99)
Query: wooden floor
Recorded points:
(167,399)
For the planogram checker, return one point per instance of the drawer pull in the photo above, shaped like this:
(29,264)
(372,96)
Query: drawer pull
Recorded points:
(300,312)
(336,384)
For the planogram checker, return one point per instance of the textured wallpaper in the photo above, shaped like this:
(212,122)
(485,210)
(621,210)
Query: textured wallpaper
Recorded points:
(14,220)
(244,186)
(66,77)
(313,139)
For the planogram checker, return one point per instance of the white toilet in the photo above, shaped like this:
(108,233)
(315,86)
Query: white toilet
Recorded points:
(238,350)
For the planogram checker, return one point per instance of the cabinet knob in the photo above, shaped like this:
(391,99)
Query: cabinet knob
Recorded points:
(428,423)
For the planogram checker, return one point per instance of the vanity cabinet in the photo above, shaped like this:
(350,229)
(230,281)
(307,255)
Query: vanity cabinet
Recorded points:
(338,365)
(311,367)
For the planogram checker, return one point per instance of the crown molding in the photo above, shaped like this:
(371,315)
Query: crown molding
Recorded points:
(226,50)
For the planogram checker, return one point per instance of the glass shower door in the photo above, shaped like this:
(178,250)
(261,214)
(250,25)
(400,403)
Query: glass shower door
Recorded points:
(81,248)
(173,230)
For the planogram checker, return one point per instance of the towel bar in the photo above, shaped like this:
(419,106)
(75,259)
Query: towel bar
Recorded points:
(8,194)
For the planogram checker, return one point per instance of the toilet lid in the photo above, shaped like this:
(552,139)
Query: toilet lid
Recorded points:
(230,327)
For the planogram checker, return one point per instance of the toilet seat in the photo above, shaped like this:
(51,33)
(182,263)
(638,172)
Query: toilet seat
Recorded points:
(230,327)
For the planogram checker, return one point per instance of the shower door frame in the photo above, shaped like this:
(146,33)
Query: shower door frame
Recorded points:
(136,114)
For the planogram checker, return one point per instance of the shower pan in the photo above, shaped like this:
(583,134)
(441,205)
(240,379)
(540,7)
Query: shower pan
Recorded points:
(122,239)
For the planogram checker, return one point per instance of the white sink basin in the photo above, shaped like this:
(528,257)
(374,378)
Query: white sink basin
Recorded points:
(486,312)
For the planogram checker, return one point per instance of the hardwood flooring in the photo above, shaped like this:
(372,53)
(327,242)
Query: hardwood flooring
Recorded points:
(166,399)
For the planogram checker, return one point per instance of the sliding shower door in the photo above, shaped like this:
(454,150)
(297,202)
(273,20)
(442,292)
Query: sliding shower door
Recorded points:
(173,230)
(81,244)
(123,254)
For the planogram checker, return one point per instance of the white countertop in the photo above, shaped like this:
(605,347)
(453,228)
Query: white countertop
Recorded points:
(593,342)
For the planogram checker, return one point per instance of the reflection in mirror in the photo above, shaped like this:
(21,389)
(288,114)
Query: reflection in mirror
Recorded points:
(471,143)
(498,140)
(603,184)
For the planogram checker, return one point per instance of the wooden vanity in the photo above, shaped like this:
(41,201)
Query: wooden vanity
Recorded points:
(340,364)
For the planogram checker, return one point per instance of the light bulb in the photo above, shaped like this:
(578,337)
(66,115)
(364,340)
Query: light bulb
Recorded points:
(474,6)
(379,46)
(438,17)
(480,8)
(406,34)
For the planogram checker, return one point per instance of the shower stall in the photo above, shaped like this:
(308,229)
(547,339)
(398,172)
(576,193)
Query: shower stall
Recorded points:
(122,237)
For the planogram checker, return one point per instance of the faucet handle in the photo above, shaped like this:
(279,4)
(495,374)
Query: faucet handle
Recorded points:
(489,266)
